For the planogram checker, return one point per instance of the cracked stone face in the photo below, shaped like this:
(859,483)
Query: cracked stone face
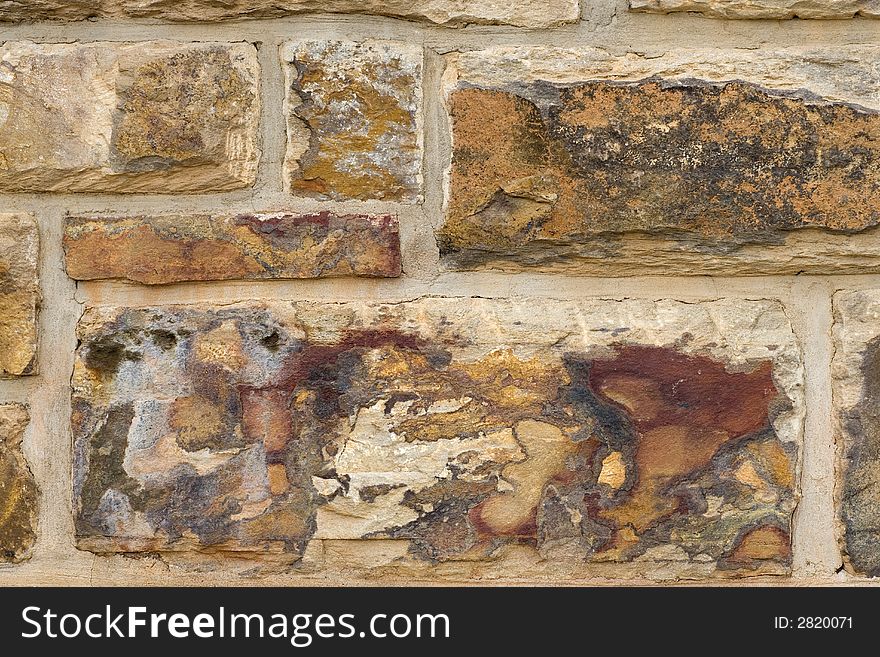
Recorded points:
(707,157)
(19,294)
(635,434)
(525,13)
(173,248)
(764,8)
(128,117)
(354,120)
(18,492)
(856,378)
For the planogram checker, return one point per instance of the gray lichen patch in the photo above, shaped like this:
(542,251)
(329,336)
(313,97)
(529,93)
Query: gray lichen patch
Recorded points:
(354,120)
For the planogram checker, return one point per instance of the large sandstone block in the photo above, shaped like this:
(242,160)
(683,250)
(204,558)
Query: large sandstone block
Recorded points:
(354,120)
(697,161)
(856,378)
(128,117)
(630,435)
(18,491)
(772,9)
(173,248)
(524,13)
(19,294)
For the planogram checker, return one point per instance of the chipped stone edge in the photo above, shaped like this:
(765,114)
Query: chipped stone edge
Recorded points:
(766,12)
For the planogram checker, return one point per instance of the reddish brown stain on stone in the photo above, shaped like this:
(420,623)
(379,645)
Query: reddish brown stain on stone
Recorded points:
(684,409)
(303,422)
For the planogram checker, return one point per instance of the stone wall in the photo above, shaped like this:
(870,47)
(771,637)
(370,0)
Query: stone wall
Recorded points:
(451,291)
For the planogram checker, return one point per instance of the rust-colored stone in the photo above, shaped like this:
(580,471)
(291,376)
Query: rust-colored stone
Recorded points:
(462,426)
(550,167)
(168,249)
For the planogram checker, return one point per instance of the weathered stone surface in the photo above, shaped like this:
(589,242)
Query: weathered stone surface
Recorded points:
(18,492)
(172,248)
(764,8)
(354,120)
(19,294)
(579,159)
(523,13)
(629,433)
(856,377)
(138,117)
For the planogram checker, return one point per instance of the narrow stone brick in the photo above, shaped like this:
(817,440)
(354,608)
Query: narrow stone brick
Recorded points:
(128,117)
(19,294)
(524,13)
(18,491)
(173,248)
(856,379)
(639,436)
(749,162)
(354,120)
(771,9)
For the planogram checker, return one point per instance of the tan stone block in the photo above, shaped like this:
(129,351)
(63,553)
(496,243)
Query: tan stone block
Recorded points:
(20,294)
(159,117)
(767,9)
(699,161)
(354,120)
(18,492)
(174,248)
(524,13)
(619,437)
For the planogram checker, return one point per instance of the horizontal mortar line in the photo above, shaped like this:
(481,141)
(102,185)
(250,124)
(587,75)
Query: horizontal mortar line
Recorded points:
(104,569)
(526,285)
(453,284)
(640,30)
(20,389)
(131,205)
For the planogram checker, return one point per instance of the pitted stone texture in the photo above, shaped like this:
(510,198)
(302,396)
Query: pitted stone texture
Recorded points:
(634,435)
(139,117)
(174,248)
(772,9)
(18,492)
(19,295)
(354,120)
(523,13)
(581,160)
(856,378)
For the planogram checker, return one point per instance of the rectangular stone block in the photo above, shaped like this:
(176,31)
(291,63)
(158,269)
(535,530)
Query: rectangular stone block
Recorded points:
(18,491)
(698,161)
(856,379)
(159,117)
(19,294)
(770,9)
(626,438)
(354,120)
(174,248)
(523,13)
